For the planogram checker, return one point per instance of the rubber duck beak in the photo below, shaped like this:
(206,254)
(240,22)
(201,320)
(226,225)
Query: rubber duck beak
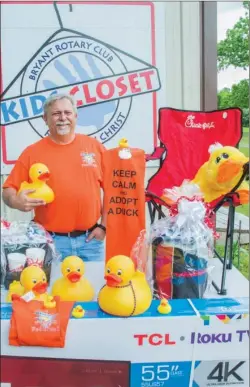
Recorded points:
(40,287)
(112,280)
(44,176)
(228,170)
(74,276)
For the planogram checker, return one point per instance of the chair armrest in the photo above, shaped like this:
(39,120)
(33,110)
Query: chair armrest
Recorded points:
(157,153)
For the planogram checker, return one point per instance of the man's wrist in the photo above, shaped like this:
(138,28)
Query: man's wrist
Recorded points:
(101,226)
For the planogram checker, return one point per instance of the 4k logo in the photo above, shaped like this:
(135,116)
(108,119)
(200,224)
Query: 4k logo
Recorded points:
(224,374)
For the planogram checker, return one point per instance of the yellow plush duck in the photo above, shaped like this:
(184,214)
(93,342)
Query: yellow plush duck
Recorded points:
(126,292)
(164,307)
(14,288)
(73,286)
(124,151)
(221,173)
(39,174)
(78,311)
(34,279)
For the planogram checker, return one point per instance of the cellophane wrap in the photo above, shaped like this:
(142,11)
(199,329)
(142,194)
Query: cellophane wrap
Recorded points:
(24,243)
(182,248)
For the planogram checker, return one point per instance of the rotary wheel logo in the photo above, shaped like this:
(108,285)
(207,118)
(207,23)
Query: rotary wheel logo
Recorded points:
(93,72)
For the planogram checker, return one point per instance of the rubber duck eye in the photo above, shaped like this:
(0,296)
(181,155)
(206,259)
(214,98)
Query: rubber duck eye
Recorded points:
(79,270)
(34,281)
(68,269)
(119,272)
(44,279)
(217,160)
(225,155)
(108,270)
(40,172)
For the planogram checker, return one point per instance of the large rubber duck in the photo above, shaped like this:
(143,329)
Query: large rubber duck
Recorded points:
(33,279)
(14,288)
(126,292)
(221,173)
(73,286)
(38,175)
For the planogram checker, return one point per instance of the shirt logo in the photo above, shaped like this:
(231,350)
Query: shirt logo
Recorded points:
(88,159)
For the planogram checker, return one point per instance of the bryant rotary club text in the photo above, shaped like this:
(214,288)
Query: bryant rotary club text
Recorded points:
(124,185)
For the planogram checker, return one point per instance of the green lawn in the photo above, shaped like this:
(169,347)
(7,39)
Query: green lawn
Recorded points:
(240,257)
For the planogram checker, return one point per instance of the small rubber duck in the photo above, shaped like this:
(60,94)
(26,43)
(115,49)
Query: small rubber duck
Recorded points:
(49,302)
(126,292)
(164,307)
(124,152)
(14,288)
(73,286)
(78,311)
(34,279)
(39,174)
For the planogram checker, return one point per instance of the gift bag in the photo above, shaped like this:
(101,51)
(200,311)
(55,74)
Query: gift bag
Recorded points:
(32,324)
(24,244)
(182,248)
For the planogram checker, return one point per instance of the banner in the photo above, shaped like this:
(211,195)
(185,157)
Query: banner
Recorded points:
(113,69)
(124,200)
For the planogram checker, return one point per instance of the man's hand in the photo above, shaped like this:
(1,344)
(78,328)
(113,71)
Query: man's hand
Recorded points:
(22,202)
(97,233)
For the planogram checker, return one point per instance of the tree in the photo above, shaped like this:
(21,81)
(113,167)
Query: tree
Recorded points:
(237,96)
(234,49)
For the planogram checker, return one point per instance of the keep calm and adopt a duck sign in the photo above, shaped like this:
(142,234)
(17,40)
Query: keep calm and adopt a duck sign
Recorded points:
(97,53)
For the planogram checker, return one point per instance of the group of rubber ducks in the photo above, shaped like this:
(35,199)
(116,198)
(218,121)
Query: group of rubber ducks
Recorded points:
(126,291)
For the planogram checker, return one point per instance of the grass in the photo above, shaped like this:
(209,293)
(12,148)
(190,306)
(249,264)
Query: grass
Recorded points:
(242,262)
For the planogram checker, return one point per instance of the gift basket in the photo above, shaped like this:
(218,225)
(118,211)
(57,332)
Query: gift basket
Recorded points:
(182,248)
(24,244)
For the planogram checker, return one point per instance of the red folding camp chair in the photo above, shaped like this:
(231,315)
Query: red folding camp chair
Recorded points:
(185,137)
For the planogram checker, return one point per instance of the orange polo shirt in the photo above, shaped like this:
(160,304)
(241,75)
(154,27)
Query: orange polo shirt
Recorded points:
(76,179)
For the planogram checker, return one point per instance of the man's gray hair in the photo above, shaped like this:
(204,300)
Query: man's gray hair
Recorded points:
(57,97)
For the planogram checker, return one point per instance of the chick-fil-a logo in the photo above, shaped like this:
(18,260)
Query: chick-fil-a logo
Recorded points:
(197,125)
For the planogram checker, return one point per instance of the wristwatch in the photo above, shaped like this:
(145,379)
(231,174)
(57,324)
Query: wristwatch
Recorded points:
(102,227)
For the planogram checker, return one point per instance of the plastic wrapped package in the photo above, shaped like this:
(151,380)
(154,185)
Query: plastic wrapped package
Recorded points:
(24,244)
(182,248)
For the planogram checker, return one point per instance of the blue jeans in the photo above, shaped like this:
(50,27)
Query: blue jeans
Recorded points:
(87,251)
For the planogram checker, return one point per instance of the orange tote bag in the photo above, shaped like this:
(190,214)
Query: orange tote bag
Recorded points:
(34,325)
(124,200)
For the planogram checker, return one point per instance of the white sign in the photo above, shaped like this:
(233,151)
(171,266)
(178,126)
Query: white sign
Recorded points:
(105,55)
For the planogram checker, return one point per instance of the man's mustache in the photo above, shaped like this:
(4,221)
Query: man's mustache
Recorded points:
(60,123)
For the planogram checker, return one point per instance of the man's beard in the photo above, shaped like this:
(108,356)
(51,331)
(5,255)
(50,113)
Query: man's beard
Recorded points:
(63,128)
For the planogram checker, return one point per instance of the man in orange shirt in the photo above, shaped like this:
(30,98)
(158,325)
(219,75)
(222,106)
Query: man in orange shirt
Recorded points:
(75,165)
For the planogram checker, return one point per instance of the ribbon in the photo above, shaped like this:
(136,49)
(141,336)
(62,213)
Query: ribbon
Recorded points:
(194,209)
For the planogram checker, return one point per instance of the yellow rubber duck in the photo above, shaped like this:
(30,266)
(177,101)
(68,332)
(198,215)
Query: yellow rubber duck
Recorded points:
(14,288)
(164,307)
(123,143)
(72,286)
(124,151)
(220,174)
(39,174)
(33,279)
(126,292)
(49,302)
(78,311)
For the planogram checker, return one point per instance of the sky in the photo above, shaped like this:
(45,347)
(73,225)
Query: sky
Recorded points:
(228,13)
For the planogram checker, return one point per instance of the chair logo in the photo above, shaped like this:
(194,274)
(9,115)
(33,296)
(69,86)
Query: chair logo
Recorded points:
(191,124)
